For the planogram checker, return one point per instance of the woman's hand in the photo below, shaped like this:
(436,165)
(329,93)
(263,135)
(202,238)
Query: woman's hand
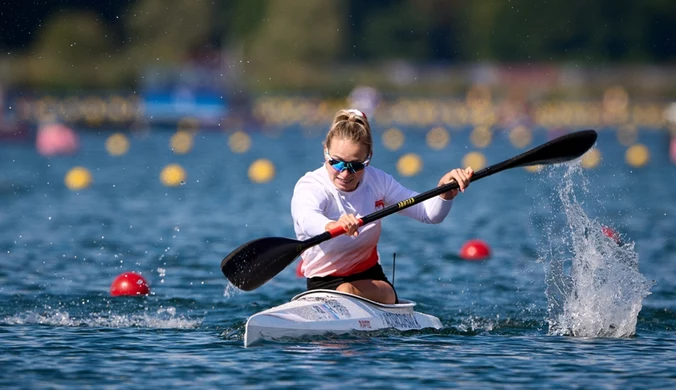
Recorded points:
(349,222)
(460,176)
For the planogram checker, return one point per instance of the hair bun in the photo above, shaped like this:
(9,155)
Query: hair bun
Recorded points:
(356,112)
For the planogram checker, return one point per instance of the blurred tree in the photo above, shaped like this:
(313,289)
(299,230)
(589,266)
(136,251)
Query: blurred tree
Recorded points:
(70,51)
(241,19)
(562,30)
(22,19)
(478,31)
(294,38)
(447,25)
(391,29)
(658,23)
(299,43)
(164,33)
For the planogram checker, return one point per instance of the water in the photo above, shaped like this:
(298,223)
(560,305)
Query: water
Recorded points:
(558,305)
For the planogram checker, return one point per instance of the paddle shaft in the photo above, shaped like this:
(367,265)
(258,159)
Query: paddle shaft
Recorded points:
(393,209)
(562,149)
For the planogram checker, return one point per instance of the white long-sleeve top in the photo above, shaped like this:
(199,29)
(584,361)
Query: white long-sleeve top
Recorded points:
(316,202)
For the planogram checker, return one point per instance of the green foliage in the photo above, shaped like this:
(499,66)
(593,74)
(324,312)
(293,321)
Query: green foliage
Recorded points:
(299,31)
(558,30)
(240,19)
(296,38)
(284,43)
(71,50)
(166,31)
(386,36)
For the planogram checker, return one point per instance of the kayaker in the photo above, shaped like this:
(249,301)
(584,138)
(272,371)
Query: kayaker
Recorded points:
(345,188)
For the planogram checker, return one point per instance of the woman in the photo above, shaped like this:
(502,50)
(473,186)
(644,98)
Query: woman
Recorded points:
(345,189)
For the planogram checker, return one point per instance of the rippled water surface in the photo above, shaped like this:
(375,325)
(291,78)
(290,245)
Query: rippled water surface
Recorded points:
(559,304)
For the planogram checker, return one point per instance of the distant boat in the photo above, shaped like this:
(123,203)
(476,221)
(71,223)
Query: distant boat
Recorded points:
(16,131)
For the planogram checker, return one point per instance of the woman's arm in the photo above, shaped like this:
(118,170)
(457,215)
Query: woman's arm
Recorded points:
(307,209)
(433,210)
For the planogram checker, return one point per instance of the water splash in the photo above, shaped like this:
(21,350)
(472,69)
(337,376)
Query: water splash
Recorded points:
(165,318)
(230,290)
(594,287)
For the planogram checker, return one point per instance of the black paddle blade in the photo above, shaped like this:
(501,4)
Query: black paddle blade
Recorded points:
(254,263)
(558,150)
(562,149)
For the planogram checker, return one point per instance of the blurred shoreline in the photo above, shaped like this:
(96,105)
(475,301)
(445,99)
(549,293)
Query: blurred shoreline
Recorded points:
(546,96)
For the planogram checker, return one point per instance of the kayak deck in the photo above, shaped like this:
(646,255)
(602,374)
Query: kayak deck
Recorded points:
(319,312)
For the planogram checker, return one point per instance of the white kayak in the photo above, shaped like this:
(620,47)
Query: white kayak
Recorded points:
(320,312)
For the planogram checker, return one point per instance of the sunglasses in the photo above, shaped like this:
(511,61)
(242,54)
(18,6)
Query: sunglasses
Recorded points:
(352,166)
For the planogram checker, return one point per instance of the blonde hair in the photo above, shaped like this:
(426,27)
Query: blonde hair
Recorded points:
(351,125)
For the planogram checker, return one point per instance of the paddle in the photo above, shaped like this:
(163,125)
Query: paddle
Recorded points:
(255,262)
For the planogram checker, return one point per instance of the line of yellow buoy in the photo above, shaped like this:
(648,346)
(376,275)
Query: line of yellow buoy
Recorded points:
(637,155)
(409,164)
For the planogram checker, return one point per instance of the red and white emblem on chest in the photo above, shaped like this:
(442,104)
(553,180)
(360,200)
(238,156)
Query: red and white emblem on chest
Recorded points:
(380,204)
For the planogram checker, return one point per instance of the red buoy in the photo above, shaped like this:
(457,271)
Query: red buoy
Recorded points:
(129,283)
(475,250)
(612,234)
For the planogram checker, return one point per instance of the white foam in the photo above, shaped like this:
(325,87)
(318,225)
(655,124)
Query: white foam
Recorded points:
(164,319)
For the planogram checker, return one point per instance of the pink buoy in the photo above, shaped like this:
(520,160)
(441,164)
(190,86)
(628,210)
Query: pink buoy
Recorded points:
(56,139)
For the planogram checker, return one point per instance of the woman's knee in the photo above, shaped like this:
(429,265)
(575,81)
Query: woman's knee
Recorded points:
(347,287)
(375,290)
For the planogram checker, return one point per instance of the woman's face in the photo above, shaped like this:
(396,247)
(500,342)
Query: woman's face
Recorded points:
(347,151)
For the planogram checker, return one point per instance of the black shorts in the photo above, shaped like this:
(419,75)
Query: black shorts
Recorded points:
(332,282)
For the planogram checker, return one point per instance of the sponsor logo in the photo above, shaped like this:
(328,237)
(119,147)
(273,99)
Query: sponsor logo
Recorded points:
(406,202)
(380,204)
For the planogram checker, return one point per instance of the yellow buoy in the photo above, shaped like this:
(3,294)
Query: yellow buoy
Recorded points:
(533,168)
(437,138)
(591,159)
(261,171)
(475,160)
(181,142)
(481,136)
(520,137)
(239,142)
(173,175)
(78,178)
(409,164)
(393,139)
(117,144)
(637,155)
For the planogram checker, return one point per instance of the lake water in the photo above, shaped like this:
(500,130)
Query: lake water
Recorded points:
(558,305)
